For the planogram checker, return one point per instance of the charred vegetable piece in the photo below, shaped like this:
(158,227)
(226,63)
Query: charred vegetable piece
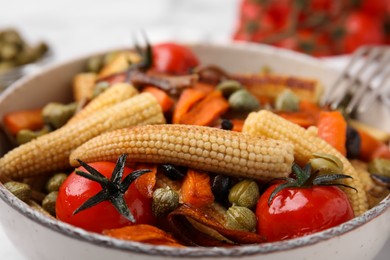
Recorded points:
(353,143)
(173,172)
(220,186)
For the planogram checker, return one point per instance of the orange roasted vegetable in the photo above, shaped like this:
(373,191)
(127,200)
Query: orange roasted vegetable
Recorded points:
(145,183)
(196,189)
(143,233)
(372,148)
(332,127)
(162,97)
(23,119)
(205,112)
(188,98)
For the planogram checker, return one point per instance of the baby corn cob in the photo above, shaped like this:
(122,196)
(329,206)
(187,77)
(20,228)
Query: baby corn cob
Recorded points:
(266,123)
(50,152)
(203,148)
(113,95)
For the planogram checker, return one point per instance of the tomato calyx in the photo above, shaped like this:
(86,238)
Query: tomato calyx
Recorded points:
(113,189)
(306,178)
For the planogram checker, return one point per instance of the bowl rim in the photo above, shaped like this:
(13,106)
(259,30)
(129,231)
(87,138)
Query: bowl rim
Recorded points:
(153,250)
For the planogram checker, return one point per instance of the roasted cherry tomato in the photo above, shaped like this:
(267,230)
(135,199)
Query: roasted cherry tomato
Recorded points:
(77,189)
(296,212)
(173,58)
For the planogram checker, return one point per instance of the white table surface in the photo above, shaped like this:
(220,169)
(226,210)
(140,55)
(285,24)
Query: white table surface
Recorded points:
(76,27)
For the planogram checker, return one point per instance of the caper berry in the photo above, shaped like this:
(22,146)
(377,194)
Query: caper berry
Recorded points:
(49,202)
(243,101)
(326,164)
(164,201)
(25,135)
(241,218)
(287,101)
(57,114)
(228,87)
(245,193)
(21,190)
(54,183)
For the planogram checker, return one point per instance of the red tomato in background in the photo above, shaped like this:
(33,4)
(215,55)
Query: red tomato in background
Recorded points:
(77,189)
(374,7)
(173,58)
(296,212)
(362,29)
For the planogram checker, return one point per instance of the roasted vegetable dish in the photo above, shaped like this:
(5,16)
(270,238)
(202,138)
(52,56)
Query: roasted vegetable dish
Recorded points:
(160,149)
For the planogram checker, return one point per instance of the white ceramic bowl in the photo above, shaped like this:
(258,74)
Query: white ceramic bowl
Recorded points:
(39,237)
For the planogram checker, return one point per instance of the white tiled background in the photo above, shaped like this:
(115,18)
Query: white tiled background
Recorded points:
(75,27)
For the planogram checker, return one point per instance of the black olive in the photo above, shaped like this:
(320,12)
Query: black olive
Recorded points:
(220,186)
(353,143)
(173,172)
(226,124)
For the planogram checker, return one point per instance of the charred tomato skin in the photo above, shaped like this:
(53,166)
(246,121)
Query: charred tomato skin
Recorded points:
(76,190)
(295,212)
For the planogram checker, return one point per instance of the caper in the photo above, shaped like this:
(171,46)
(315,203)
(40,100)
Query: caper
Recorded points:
(243,101)
(245,193)
(287,101)
(380,166)
(11,36)
(54,183)
(25,135)
(57,114)
(241,218)
(228,87)
(326,164)
(21,190)
(164,201)
(49,202)
(8,51)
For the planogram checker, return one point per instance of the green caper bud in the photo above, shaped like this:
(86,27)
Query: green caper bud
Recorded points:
(164,201)
(287,101)
(49,202)
(245,193)
(21,190)
(25,135)
(228,87)
(326,163)
(99,88)
(57,114)
(380,166)
(94,64)
(54,183)
(241,218)
(243,101)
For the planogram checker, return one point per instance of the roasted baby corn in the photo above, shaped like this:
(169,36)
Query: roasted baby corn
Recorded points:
(203,148)
(50,152)
(117,93)
(266,123)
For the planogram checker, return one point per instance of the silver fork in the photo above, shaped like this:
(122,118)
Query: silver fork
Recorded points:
(363,81)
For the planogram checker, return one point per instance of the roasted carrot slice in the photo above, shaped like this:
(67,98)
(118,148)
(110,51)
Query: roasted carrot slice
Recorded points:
(143,233)
(188,98)
(146,182)
(24,119)
(162,97)
(371,148)
(332,127)
(205,112)
(196,189)
(237,124)
(204,87)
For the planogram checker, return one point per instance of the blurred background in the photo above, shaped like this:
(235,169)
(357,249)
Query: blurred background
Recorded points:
(71,28)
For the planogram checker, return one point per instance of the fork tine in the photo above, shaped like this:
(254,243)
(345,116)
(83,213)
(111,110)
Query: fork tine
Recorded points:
(366,87)
(344,76)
